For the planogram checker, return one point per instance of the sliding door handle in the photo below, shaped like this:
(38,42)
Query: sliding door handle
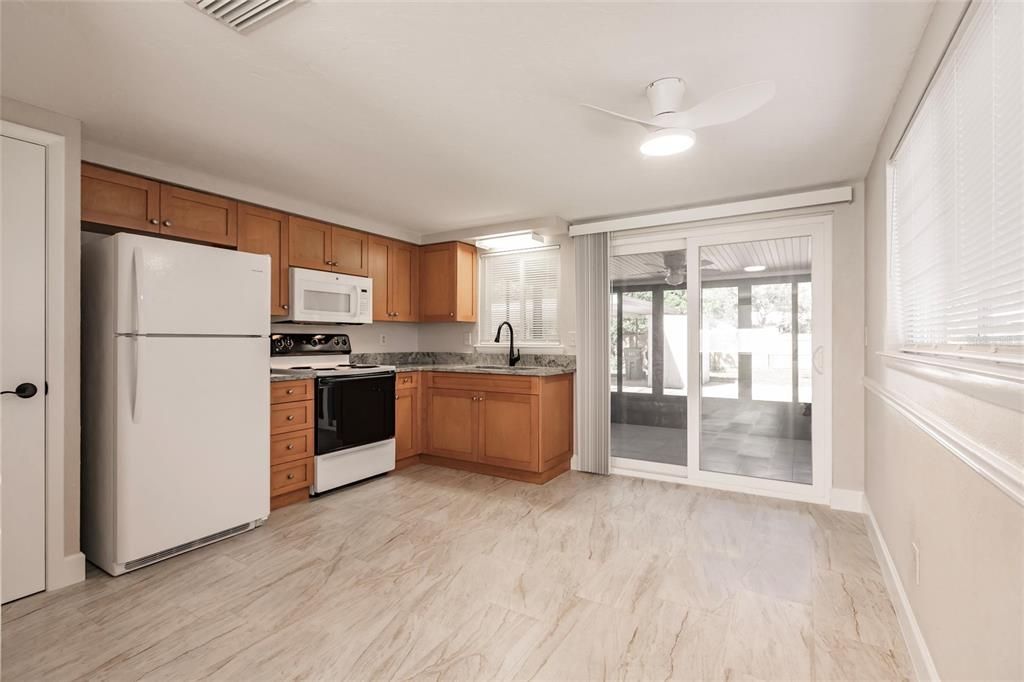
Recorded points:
(818,359)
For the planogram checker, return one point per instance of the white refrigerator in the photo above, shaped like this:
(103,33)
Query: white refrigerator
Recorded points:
(175,398)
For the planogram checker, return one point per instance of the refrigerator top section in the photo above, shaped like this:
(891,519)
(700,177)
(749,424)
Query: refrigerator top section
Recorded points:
(309,344)
(165,287)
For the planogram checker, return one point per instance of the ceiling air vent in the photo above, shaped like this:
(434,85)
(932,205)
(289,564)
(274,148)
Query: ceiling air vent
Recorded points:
(241,15)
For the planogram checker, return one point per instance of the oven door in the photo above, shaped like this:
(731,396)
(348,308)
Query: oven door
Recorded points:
(354,410)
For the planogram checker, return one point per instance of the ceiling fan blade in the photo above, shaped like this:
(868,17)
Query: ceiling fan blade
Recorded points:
(724,107)
(650,125)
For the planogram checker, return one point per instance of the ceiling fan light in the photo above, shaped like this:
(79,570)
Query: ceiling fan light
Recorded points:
(667,141)
(675,277)
(755,268)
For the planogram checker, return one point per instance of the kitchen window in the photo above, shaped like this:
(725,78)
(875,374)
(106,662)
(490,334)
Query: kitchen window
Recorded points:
(523,288)
(956,206)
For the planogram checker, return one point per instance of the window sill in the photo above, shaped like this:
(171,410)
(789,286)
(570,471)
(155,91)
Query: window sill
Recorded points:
(990,369)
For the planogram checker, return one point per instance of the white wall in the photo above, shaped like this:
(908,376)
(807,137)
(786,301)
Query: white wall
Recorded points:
(65,564)
(969,602)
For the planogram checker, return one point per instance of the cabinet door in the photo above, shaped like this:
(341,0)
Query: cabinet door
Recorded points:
(350,252)
(309,243)
(452,421)
(261,230)
(465,283)
(198,216)
(403,280)
(119,199)
(437,283)
(380,256)
(407,411)
(509,425)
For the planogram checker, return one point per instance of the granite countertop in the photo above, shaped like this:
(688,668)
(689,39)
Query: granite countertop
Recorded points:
(489,369)
(461,369)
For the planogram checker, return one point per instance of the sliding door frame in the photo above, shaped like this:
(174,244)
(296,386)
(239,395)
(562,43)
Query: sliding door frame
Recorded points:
(690,237)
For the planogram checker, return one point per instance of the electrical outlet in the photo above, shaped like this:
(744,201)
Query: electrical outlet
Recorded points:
(570,339)
(467,339)
(917,563)
(383,339)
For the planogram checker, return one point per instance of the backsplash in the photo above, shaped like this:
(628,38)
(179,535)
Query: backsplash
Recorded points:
(442,358)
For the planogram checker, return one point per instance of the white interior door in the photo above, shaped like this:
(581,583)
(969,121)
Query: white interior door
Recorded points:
(759,398)
(22,364)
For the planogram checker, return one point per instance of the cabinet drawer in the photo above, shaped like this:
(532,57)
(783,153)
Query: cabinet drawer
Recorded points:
(407,380)
(499,383)
(291,476)
(291,391)
(291,446)
(291,417)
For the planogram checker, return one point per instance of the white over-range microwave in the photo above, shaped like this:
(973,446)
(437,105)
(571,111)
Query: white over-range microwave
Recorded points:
(329,298)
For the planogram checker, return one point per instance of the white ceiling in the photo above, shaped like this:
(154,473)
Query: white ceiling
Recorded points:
(438,116)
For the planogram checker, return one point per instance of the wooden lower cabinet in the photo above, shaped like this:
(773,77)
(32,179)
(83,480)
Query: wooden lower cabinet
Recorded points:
(517,426)
(407,422)
(291,441)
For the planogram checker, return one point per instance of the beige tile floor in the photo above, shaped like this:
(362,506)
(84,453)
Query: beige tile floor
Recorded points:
(432,573)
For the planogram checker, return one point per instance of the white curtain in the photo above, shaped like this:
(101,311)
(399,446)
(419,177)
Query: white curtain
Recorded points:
(593,407)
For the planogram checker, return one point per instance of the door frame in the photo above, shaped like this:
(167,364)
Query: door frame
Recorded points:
(64,565)
(820,231)
(680,236)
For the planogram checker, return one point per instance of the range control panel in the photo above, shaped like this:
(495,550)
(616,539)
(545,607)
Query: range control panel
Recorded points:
(309,344)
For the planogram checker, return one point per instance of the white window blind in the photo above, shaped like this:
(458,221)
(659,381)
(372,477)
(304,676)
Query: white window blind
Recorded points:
(957,197)
(521,287)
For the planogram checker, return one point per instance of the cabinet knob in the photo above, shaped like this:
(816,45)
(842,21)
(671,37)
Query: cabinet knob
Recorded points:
(291,446)
(290,391)
(291,476)
(154,221)
(167,223)
(285,306)
(451,314)
(291,417)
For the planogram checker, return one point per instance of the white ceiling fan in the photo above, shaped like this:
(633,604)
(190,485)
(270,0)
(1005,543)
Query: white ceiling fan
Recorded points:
(671,128)
(672,269)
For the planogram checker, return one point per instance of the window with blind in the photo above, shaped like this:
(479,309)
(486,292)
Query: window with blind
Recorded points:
(521,287)
(957,199)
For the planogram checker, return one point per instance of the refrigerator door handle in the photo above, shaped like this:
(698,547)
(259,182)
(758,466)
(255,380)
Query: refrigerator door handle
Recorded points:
(137,266)
(138,359)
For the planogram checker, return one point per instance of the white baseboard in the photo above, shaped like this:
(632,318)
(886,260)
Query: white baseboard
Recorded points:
(847,500)
(67,570)
(924,666)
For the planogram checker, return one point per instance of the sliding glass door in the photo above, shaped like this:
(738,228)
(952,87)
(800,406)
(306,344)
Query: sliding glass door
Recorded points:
(648,356)
(760,361)
(719,347)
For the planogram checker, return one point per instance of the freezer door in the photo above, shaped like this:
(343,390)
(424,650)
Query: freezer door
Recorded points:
(168,287)
(193,440)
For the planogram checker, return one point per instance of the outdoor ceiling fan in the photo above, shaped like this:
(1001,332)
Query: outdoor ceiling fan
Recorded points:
(671,128)
(674,271)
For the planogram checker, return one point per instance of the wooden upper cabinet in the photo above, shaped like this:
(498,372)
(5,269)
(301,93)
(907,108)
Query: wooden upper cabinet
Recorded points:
(448,282)
(198,216)
(261,230)
(309,243)
(350,252)
(379,257)
(120,200)
(403,282)
(394,267)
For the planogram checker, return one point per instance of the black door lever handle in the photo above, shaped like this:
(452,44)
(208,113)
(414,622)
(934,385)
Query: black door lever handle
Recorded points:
(25,390)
